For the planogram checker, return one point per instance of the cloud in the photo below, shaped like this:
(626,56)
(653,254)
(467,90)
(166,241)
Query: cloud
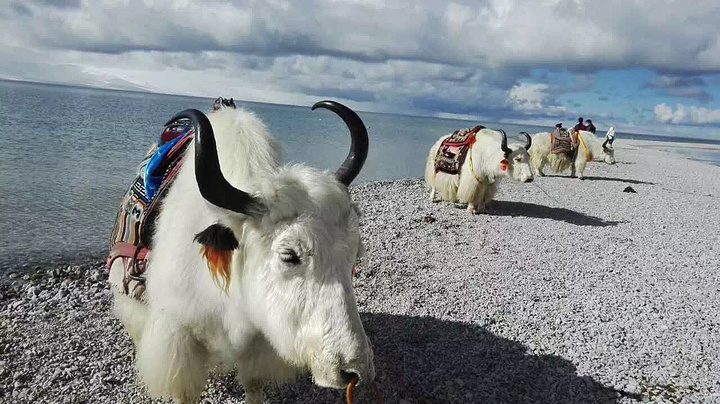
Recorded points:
(528,96)
(667,81)
(59,3)
(695,93)
(533,98)
(463,58)
(619,34)
(682,87)
(689,115)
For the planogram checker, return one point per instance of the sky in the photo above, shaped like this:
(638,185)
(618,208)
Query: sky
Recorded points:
(643,66)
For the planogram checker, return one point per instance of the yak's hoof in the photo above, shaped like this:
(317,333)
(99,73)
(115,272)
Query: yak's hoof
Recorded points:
(476,211)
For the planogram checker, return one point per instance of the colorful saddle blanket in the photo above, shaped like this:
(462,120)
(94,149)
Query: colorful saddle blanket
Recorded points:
(453,150)
(131,238)
(562,141)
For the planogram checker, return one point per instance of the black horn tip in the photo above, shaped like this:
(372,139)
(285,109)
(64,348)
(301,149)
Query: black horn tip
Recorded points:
(331,105)
(355,159)
(529,140)
(192,115)
(503,144)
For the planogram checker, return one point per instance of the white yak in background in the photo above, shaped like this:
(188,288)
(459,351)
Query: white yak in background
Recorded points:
(488,159)
(588,148)
(271,294)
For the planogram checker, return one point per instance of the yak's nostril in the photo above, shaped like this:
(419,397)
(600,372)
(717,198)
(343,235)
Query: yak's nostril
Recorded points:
(529,180)
(349,376)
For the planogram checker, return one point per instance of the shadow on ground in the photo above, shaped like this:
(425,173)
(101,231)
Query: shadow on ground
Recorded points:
(426,360)
(628,180)
(511,208)
(594,178)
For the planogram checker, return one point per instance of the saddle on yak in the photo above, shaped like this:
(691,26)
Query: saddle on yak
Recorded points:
(562,141)
(131,239)
(453,150)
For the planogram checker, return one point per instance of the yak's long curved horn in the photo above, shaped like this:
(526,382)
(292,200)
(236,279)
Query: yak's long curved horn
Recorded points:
(604,145)
(355,159)
(211,182)
(529,140)
(503,144)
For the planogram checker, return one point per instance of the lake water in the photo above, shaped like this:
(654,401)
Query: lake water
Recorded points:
(68,154)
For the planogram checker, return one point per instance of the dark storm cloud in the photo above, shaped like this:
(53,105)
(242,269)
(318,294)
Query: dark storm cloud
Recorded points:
(464,57)
(58,3)
(691,87)
(614,35)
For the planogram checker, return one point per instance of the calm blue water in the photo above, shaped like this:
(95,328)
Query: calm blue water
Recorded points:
(68,154)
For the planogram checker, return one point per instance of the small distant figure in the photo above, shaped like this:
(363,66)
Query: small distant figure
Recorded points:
(589,126)
(580,125)
(558,125)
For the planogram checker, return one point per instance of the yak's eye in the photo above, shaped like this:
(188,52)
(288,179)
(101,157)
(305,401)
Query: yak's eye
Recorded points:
(518,159)
(289,256)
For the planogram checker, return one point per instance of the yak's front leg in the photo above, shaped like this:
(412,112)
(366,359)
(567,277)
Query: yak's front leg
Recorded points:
(579,166)
(476,207)
(260,364)
(432,195)
(170,360)
(253,392)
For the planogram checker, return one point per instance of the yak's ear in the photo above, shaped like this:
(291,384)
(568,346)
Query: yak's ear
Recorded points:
(218,243)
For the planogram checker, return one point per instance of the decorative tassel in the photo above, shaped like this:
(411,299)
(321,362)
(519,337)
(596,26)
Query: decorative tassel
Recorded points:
(504,164)
(218,243)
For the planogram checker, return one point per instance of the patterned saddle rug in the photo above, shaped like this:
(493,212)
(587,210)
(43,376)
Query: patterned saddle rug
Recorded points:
(131,238)
(453,150)
(562,141)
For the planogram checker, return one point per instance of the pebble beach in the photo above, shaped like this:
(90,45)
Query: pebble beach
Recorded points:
(605,290)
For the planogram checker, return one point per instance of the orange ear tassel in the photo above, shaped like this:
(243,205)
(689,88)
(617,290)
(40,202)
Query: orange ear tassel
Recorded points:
(218,243)
(218,262)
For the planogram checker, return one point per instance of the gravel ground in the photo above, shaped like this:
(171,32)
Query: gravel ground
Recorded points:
(568,291)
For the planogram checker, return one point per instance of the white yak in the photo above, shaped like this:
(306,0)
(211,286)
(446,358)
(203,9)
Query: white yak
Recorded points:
(588,148)
(487,161)
(282,301)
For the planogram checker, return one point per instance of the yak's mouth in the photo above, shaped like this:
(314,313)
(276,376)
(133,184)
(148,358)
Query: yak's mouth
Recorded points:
(349,376)
(341,378)
(351,385)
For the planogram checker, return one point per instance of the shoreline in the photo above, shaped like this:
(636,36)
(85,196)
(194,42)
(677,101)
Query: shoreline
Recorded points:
(33,260)
(568,291)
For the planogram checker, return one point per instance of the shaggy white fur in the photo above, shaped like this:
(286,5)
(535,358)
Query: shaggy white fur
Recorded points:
(478,189)
(277,318)
(540,153)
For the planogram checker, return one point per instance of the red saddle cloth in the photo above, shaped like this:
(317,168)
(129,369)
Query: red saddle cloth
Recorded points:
(453,150)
